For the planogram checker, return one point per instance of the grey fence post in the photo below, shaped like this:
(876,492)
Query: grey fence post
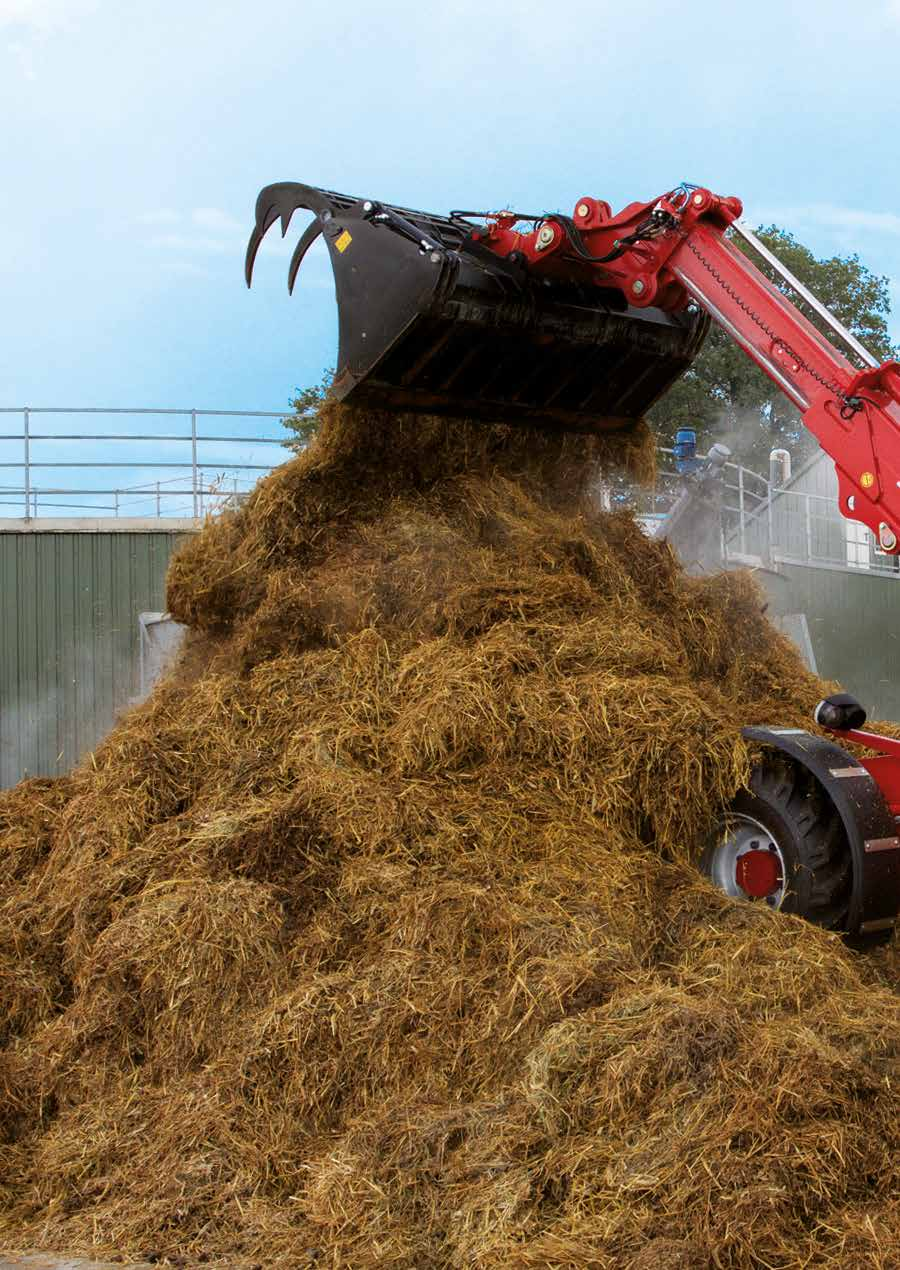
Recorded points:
(743,537)
(116,497)
(27,444)
(157,501)
(808,529)
(194,461)
(770,492)
(142,633)
(200,488)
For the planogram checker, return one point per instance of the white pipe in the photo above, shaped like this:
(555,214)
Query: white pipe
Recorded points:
(796,285)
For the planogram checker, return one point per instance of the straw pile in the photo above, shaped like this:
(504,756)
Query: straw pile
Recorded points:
(372,938)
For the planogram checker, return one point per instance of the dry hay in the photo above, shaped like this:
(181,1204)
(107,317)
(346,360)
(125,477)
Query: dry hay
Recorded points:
(372,938)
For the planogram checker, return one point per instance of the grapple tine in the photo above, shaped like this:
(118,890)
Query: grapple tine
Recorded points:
(279,202)
(310,234)
(263,223)
(252,248)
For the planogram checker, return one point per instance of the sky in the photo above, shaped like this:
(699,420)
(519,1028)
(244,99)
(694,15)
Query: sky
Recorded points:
(135,138)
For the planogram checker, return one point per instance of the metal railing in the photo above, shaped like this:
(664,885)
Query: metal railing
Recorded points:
(761,521)
(802,527)
(746,496)
(775,524)
(206,479)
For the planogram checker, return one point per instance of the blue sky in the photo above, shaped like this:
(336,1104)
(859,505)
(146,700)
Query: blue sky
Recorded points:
(136,136)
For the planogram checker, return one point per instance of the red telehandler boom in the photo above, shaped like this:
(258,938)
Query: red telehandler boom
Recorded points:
(582,322)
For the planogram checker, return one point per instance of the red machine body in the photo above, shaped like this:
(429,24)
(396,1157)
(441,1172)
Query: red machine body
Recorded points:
(884,766)
(673,251)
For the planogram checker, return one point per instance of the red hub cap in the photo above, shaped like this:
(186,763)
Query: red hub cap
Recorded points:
(758,873)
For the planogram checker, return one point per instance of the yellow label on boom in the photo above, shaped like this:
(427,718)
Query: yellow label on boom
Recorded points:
(343,241)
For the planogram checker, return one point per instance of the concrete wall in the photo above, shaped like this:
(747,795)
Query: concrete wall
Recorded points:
(852,619)
(851,612)
(69,640)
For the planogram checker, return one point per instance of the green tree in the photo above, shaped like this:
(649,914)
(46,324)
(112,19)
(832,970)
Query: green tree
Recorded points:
(724,394)
(307,403)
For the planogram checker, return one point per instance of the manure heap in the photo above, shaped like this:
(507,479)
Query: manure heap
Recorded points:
(372,938)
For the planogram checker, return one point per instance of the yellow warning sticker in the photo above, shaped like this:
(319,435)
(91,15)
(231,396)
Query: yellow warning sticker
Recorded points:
(343,240)
(867,480)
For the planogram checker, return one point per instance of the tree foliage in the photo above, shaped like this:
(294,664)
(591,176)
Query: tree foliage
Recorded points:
(725,395)
(306,404)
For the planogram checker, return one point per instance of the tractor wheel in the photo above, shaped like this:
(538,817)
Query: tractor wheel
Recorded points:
(782,842)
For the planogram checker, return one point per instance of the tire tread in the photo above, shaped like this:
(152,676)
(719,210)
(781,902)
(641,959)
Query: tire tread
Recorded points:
(819,839)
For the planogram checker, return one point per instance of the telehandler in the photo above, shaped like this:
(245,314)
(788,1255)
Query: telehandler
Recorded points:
(581,322)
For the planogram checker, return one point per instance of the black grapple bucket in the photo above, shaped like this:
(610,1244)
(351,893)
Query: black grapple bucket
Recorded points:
(431,320)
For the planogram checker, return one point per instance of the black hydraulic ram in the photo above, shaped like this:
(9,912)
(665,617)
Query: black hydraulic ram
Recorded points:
(430,320)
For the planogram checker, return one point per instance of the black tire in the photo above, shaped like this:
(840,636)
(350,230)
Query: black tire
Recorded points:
(788,801)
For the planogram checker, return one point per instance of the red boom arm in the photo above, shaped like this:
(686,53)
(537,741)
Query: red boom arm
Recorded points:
(674,252)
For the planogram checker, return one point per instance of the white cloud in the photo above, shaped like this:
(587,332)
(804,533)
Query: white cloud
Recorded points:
(856,218)
(44,16)
(829,216)
(190,242)
(33,22)
(185,268)
(158,216)
(25,58)
(214,219)
(203,231)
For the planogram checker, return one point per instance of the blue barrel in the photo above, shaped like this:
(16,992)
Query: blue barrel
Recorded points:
(685,450)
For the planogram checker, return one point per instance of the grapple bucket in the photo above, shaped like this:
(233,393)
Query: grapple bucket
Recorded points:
(429,319)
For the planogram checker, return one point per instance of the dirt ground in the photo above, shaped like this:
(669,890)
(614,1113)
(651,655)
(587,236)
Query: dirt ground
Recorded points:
(53,1261)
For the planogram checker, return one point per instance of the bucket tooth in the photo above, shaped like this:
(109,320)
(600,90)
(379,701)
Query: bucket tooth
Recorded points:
(431,320)
(308,237)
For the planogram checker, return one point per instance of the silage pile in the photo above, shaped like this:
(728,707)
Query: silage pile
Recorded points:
(372,938)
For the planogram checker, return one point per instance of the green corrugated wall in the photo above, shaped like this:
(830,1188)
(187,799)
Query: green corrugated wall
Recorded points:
(69,643)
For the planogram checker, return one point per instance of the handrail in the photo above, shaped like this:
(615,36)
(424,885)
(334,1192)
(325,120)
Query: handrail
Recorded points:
(136,436)
(142,410)
(758,515)
(195,466)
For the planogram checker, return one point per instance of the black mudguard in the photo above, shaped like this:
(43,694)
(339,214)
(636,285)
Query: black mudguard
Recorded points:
(867,819)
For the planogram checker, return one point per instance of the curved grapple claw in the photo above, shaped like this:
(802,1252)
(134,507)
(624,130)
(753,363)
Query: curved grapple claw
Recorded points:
(279,202)
(308,237)
(429,319)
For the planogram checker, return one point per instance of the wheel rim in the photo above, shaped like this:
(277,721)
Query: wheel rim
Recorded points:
(747,850)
